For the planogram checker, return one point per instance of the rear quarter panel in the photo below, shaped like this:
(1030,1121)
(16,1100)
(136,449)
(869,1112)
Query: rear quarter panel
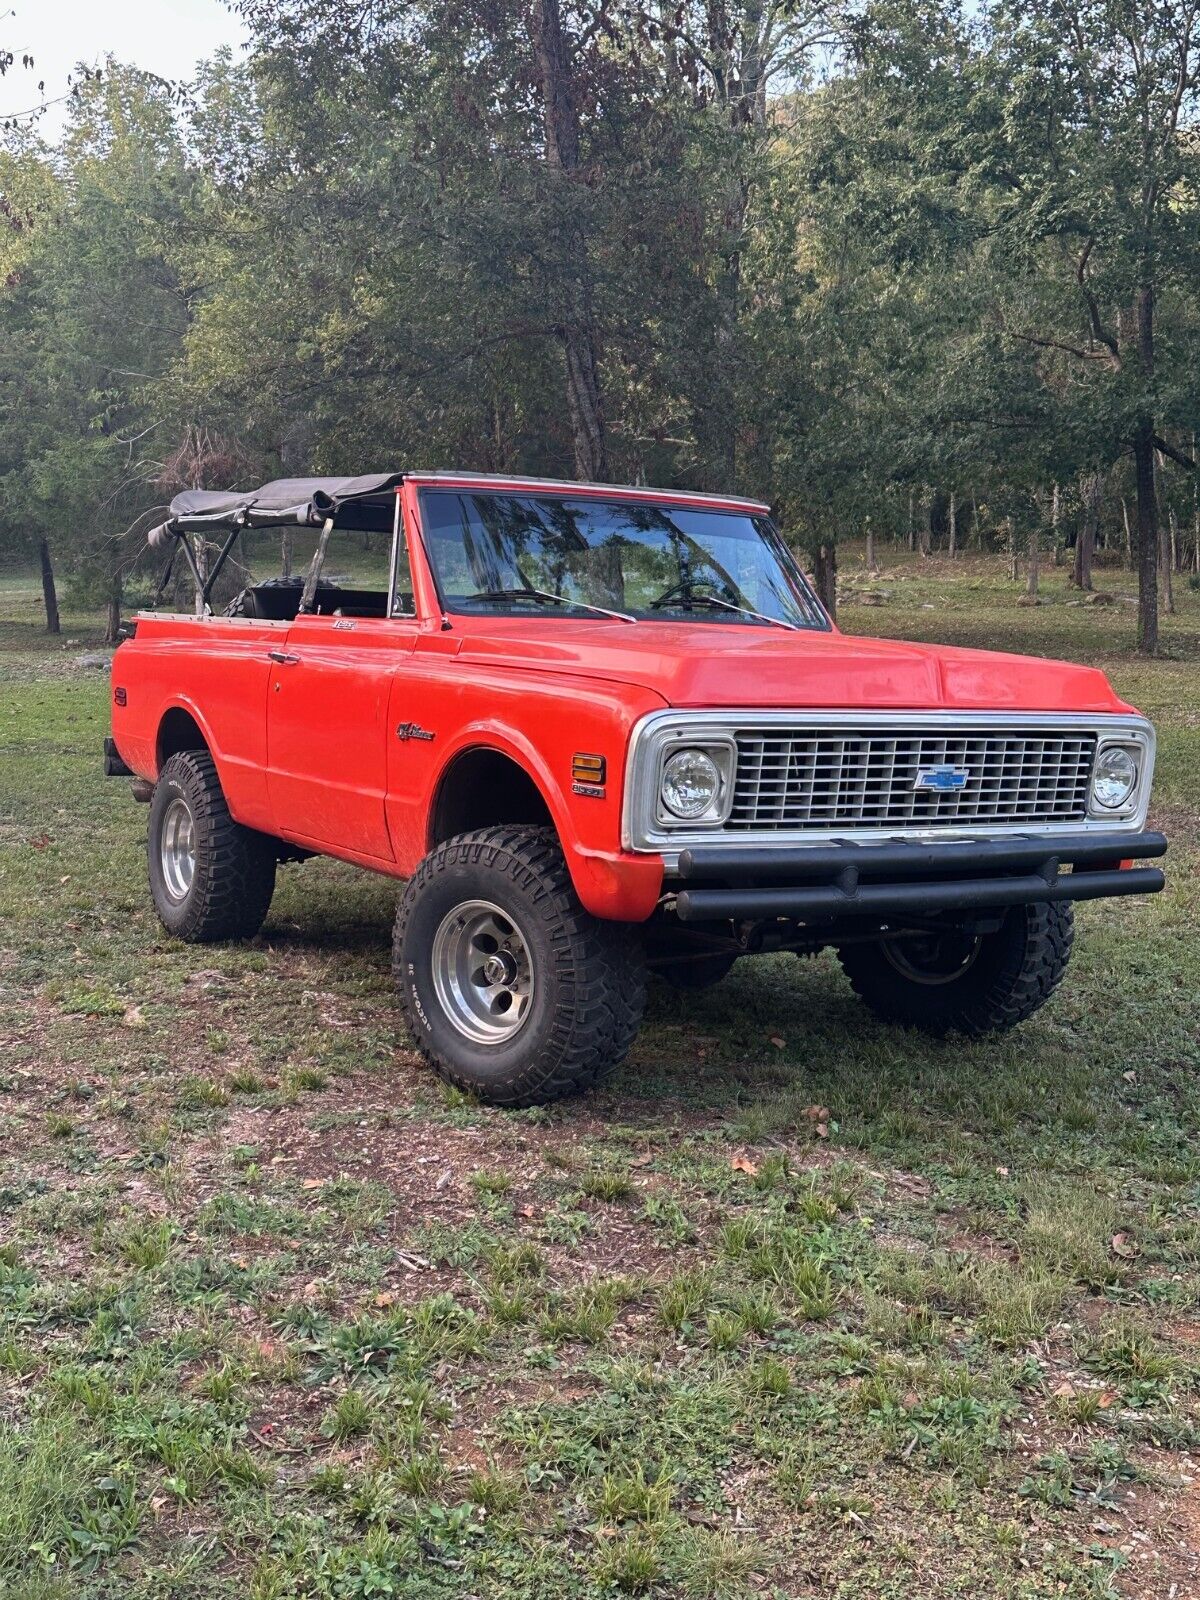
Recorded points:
(216,669)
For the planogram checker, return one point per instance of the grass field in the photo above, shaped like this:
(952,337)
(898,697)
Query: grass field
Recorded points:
(797,1306)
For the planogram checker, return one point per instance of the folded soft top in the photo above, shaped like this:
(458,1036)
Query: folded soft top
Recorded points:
(308,501)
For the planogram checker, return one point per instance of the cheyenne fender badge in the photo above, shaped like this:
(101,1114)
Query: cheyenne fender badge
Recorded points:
(414,730)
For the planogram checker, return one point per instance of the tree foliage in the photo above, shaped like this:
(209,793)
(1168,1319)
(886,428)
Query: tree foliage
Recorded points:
(886,263)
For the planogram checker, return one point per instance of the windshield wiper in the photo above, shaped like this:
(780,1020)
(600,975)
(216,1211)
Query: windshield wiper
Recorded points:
(728,605)
(526,593)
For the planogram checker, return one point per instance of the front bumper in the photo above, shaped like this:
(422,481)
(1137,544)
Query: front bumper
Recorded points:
(824,883)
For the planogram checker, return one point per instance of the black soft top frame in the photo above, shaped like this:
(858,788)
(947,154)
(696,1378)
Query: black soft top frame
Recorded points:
(286,502)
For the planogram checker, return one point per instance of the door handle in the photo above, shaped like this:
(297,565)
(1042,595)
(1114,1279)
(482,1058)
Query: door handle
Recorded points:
(282,657)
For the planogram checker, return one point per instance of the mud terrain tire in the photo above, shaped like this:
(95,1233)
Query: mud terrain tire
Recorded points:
(576,984)
(210,878)
(1010,975)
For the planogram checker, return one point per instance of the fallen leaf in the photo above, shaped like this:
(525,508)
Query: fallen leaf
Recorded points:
(385,1298)
(528,1211)
(778,1042)
(40,841)
(642,1161)
(133,1018)
(744,1164)
(817,1113)
(1064,1390)
(1123,1244)
(1108,1399)
(1002,1172)
(313,1183)
(1130,1077)
(822,1130)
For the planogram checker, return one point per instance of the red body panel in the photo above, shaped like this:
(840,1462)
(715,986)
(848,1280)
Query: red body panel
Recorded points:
(308,750)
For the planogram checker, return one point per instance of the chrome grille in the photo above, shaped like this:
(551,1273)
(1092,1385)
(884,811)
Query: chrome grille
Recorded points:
(824,778)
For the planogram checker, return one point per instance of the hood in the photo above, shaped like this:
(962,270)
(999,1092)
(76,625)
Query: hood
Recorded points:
(727,664)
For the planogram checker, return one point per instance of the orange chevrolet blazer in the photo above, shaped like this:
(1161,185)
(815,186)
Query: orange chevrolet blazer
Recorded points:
(602,731)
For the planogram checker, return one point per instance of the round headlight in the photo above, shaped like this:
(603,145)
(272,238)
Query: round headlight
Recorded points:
(1115,779)
(690,783)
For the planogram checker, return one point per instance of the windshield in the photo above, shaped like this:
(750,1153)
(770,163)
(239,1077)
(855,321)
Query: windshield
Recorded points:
(509,553)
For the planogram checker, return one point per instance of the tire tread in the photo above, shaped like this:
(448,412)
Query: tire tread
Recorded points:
(235,867)
(596,1022)
(1019,989)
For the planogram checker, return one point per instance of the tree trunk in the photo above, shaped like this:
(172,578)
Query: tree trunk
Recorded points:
(287,546)
(1128,533)
(1085,542)
(912,523)
(1031,582)
(1055,523)
(586,404)
(1147,538)
(1147,499)
(1012,549)
(825,576)
(1166,564)
(112,625)
(200,549)
(576,329)
(872,565)
(925,529)
(953,528)
(49,592)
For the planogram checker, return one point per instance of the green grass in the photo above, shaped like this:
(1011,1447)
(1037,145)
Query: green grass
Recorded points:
(280,1317)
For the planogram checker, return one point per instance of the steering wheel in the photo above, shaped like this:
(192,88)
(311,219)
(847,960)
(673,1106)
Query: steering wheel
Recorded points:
(686,585)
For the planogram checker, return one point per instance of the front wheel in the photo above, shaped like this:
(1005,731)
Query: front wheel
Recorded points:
(509,988)
(949,981)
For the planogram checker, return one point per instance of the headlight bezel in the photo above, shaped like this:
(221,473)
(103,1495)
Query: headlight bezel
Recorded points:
(1138,752)
(721,751)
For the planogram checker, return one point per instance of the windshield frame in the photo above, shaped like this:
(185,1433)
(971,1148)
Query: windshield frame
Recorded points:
(815,618)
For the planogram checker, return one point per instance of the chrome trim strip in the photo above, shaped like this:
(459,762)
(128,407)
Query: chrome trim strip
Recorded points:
(190,616)
(641,832)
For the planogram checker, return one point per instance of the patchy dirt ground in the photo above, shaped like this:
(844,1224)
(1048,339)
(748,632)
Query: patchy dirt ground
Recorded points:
(796,1306)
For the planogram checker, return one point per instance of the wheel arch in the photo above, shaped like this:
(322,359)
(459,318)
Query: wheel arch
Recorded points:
(179,728)
(482,786)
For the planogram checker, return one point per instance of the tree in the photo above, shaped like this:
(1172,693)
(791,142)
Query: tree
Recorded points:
(1090,104)
(91,318)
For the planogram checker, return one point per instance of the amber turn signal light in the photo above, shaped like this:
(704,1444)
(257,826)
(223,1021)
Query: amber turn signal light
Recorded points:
(588,769)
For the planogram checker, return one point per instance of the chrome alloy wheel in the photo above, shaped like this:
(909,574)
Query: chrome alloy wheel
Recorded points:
(933,959)
(482,972)
(177,849)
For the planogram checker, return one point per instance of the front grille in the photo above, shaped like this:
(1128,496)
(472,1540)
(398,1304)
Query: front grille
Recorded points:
(823,778)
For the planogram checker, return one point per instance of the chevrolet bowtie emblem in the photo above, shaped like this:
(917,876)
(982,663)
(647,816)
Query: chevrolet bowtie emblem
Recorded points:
(942,780)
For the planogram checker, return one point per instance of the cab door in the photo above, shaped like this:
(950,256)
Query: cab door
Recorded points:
(327,730)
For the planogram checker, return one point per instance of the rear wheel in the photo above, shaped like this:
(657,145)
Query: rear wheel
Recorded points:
(509,988)
(944,982)
(210,878)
